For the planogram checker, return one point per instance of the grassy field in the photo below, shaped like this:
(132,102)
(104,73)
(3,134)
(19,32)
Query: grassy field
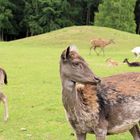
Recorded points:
(34,88)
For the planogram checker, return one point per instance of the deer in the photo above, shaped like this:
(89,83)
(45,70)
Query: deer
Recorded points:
(111,62)
(99,43)
(136,51)
(3,97)
(131,64)
(101,106)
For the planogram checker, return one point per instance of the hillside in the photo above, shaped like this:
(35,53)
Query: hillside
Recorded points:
(80,35)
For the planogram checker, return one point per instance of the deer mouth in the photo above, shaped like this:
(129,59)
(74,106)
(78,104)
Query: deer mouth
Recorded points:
(92,80)
(96,81)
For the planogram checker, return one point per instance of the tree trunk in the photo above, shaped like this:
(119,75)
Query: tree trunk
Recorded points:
(138,28)
(1,34)
(88,16)
(27,33)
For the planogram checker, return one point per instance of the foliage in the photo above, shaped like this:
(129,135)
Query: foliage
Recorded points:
(137,16)
(5,17)
(118,14)
(32,17)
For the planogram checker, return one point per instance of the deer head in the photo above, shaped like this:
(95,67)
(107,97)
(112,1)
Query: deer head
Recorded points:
(112,41)
(125,60)
(74,68)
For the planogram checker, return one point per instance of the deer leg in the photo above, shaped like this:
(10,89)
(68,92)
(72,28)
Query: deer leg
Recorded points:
(81,136)
(101,130)
(135,132)
(3,98)
(102,49)
(90,49)
(6,115)
(96,51)
(101,135)
(135,54)
(100,138)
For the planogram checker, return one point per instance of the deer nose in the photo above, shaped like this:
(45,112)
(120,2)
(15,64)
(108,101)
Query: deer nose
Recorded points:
(97,80)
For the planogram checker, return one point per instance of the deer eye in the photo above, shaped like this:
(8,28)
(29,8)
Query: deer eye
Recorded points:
(76,64)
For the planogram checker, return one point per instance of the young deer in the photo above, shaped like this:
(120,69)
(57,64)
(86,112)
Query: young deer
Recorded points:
(103,107)
(99,43)
(3,98)
(111,62)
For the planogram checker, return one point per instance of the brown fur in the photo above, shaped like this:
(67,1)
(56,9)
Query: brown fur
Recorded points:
(89,97)
(122,86)
(99,43)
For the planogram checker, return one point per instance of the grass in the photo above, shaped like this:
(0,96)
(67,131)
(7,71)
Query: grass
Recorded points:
(34,89)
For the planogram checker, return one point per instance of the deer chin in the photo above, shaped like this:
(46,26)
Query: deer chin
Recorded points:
(95,81)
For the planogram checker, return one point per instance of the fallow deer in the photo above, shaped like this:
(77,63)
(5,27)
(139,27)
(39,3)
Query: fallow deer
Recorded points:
(104,106)
(99,43)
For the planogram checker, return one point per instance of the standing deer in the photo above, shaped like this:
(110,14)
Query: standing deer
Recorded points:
(3,98)
(104,106)
(99,43)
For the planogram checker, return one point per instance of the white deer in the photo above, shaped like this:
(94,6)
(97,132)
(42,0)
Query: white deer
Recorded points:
(136,51)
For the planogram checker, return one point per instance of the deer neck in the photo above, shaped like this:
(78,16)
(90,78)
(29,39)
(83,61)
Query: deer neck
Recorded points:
(127,62)
(68,91)
(70,98)
(76,98)
(109,42)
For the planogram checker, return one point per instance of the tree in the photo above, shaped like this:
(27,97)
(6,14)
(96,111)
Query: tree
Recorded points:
(90,7)
(48,14)
(118,14)
(31,18)
(20,18)
(5,17)
(83,11)
(17,11)
(137,16)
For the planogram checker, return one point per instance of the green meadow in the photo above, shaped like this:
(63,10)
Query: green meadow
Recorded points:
(34,86)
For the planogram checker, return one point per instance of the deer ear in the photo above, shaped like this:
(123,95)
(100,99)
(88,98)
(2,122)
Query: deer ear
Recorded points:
(67,52)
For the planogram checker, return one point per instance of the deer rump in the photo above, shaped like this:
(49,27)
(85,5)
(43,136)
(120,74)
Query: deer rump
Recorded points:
(118,103)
